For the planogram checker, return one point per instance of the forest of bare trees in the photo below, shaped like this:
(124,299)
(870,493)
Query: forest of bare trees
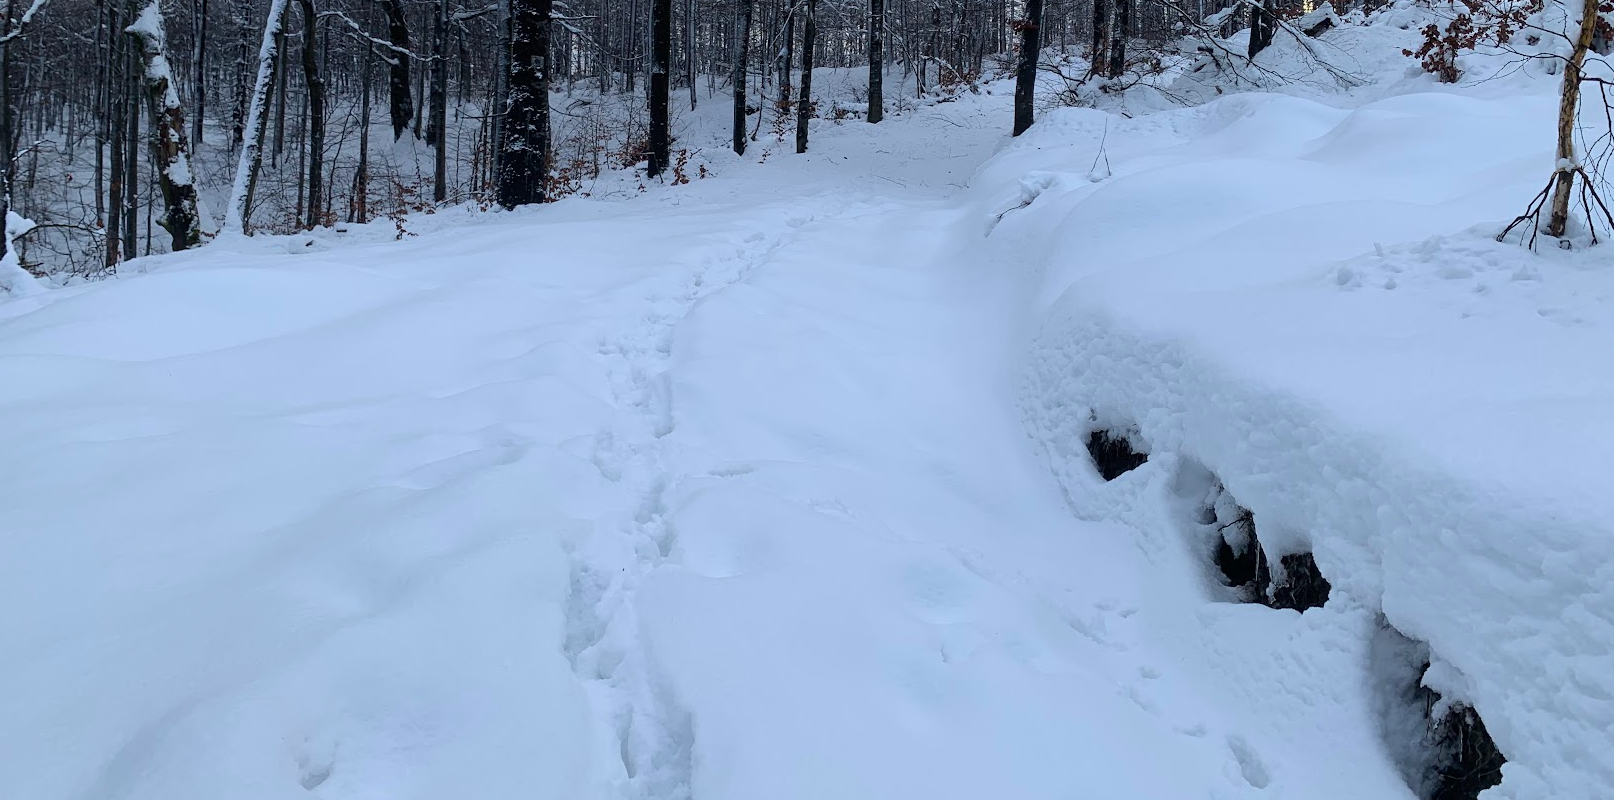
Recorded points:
(349,110)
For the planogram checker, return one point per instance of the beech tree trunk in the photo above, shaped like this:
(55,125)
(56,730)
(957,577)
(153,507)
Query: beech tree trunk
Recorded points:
(1025,78)
(524,157)
(804,108)
(1568,103)
(742,52)
(877,60)
(660,67)
(170,150)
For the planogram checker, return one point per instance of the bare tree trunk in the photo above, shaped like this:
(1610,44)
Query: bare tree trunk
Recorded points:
(361,174)
(115,130)
(7,118)
(1025,79)
(1101,18)
(787,60)
(437,126)
(169,148)
(246,170)
(1262,26)
(1120,22)
(691,29)
(876,61)
(400,103)
(315,85)
(660,65)
(501,96)
(199,67)
(742,52)
(131,153)
(104,68)
(804,109)
(1569,102)
(280,99)
(524,164)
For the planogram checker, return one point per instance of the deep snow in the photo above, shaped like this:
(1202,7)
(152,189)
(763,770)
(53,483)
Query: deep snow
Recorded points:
(773,485)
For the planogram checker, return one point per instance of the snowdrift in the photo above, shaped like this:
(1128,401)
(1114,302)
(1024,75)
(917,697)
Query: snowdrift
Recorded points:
(1253,294)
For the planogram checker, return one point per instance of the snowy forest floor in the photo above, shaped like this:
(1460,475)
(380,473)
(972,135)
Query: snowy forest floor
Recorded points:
(726,490)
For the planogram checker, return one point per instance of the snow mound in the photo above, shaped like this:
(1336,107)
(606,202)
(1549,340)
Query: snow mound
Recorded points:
(1294,297)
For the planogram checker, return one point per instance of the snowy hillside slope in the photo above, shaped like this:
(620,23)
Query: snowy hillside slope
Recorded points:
(773,485)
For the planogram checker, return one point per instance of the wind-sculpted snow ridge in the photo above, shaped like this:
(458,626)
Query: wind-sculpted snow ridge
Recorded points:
(1427,419)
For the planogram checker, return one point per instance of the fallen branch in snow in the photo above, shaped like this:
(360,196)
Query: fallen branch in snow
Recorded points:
(1092,172)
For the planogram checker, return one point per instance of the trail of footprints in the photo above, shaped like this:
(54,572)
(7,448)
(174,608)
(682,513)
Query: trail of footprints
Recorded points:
(1448,753)
(654,734)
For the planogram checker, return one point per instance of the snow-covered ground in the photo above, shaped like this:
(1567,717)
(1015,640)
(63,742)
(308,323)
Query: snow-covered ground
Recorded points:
(773,485)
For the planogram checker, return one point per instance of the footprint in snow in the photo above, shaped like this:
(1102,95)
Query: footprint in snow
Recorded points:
(1251,768)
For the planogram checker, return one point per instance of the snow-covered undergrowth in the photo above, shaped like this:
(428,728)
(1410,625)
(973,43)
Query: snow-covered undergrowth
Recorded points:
(725,490)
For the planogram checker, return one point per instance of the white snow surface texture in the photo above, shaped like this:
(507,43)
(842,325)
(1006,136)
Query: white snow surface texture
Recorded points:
(774,486)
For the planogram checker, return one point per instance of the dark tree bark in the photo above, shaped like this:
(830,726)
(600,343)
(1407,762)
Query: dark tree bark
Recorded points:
(787,60)
(170,150)
(877,60)
(199,65)
(742,52)
(131,152)
(437,126)
(361,175)
(1025,77)
(280,99)
(690,39)
(524,162)
(660,66)
(401,103)
(804,109)
(7,136)
(1120,25)
(315,84)
(115,143)
(1262,26)
(1101,18)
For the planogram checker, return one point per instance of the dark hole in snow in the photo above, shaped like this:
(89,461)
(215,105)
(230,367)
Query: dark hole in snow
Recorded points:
(1299,585)
(1466,761)
(1113,454)
(1442,747)
(1302,586)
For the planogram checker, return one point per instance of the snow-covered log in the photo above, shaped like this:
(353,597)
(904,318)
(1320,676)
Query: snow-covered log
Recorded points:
(170,147)
(1320,20)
